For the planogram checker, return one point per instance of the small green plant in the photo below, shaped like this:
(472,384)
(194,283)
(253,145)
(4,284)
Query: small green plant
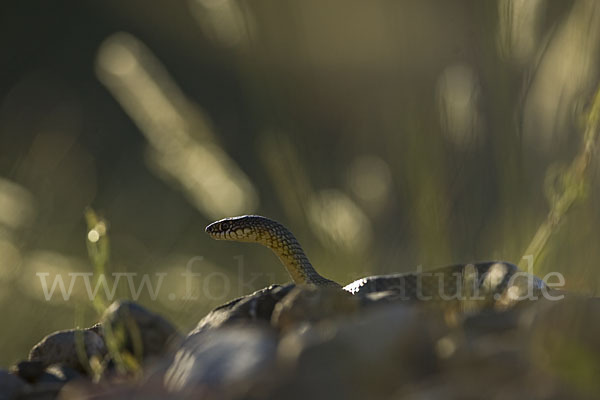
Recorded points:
(565,186)
(115,337)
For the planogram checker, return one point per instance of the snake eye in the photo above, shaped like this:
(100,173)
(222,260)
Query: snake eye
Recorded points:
(224,226)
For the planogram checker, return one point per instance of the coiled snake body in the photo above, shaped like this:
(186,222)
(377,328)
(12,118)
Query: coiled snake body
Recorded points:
(445,282)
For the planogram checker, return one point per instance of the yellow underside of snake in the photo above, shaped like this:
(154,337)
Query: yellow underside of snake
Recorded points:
(447,281)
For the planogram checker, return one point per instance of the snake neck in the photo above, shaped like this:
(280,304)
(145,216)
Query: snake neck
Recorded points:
(283,243)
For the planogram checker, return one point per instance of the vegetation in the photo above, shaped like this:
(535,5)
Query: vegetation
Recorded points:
(386,135)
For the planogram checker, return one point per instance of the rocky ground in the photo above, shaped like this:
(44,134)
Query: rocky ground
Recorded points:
(298,343)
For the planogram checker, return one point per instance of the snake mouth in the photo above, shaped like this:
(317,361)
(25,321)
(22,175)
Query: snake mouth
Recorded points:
(214,231)
(222,230)
(233,229)
(209,228)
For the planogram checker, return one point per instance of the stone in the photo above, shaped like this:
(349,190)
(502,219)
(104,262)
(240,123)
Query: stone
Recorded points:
(153,333)
(564,339)
(61,348)
(11,386)
(367,355)
(113,390)
(29,371)
(62,373)
(221,361)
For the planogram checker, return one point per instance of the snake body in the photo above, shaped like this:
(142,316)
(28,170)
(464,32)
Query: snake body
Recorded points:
(444,282)
(275,236)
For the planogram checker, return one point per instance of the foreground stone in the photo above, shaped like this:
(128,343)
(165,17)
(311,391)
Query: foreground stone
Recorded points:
(224,362)
(368,355)
(299,343)
(62,348)
(143,332)
(64,359)
(11,386)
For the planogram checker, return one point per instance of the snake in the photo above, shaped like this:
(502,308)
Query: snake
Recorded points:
(490,277)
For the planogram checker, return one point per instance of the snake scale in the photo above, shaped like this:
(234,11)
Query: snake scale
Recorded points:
(487,278)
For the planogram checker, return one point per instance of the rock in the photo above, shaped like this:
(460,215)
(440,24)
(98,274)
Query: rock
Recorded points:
(564,339)
(62,373)
(11,386)
(309,304)
(514,382)
(221,361)
(113,390)
(257,306)
(139,326)
(29,371)
(305,342)
(491,353)
(47,388)
(369,355)
(61,348)
(45,382)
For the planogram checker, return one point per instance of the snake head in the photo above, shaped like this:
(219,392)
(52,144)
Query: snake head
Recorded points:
(245,228)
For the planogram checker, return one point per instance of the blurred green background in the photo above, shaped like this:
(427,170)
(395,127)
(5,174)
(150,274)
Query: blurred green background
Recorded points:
(385,134)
